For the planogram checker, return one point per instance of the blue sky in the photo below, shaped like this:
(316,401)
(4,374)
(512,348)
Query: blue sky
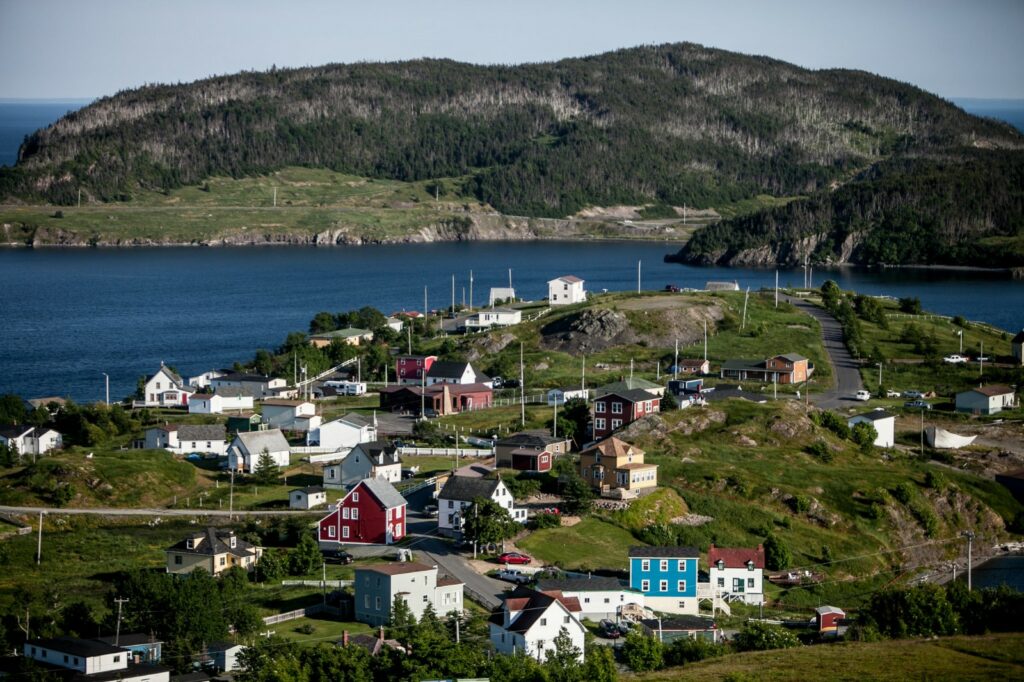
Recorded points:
(79,48)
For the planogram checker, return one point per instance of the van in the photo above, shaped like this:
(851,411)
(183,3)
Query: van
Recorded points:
(862,395)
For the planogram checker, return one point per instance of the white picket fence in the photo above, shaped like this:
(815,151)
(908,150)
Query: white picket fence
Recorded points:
(445,452)
(317,583)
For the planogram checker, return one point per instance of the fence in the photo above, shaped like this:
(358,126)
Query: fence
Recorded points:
(445,452)
(317,583)
(430,482)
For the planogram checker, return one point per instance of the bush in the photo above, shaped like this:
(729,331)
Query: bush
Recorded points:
(935,480)
(821,451)
(642,653)
(757,636)
(800,504)
(542,521)
(776,554)
(904,492)
(864,435)
(834,423)
(692,650)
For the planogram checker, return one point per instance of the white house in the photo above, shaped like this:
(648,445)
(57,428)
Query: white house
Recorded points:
(31,440)
(204,379)
(377,586)
(256,385)
(493,317)
(224,400)
(92,657)
(307,498)
(566,290)
(186,438)
(344,432)
(245,451)
(559,396)
(599,597)
(505,294)
(884,423)
(737,573)
(529,621)
(224,655)
(449,372)
(459,492)
(165,389)
(394,323)
(986,400)
(291,415)
(376,459)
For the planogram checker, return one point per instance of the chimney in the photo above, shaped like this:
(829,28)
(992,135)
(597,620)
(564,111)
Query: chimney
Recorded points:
(344,637)
(381,636)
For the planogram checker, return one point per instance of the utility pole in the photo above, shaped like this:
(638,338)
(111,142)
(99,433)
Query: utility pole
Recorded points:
(509,286)
(776,288)
(746,297)
(471,290)
(408,326)
(522,386)
(675,363)
(106,380)
(631,368)
(453,295)
(79,197)
(970,543)
(425,304)
(457,640)
(117,633)
(981,360)
(638,263)
(705,340)
(554,420)
(324,582)
(583,373)
(275,197)
(922,432)
(39,542)
(231,493)
(879,376)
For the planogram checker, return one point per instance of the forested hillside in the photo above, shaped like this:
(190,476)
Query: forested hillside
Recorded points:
(663,126)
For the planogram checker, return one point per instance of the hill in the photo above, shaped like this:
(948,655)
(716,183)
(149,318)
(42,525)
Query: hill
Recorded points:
(656,128)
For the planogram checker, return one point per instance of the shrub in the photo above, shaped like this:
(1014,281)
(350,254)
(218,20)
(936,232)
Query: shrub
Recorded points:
(692,650)
(935,480)
(776,554)
(757,636)
(904,492)
(642,653)
(864,435)
(542,521)
(801,504)
(821,451)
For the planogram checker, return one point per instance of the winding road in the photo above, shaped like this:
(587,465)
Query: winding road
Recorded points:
(845,368)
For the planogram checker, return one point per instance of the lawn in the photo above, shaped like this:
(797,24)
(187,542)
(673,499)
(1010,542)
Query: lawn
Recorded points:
(590,544)
(991,657)
(318,628)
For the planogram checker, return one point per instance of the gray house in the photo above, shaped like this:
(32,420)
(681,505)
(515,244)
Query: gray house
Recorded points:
(377,459)
(245,451)
(986,400)
(378,586)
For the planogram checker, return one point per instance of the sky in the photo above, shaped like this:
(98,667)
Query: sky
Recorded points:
(89,48)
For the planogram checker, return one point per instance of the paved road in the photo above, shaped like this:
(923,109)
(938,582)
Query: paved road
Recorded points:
(845,368)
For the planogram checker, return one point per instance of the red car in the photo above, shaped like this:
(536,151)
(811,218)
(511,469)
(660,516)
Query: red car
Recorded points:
(514,558)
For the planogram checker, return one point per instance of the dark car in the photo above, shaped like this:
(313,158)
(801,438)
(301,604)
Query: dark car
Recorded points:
(497,382)
(511,383)
(337,556)
(608,629)
(918,404)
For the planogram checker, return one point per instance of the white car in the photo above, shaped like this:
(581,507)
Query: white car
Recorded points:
(892,394)
(955,359)
(913,394)
(513,576)
(862,395)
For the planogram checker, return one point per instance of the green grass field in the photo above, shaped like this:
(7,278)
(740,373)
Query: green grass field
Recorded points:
(991,657)
(590,544)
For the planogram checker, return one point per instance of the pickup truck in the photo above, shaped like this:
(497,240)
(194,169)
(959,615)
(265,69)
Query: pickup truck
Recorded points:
(955,359)
(514,576)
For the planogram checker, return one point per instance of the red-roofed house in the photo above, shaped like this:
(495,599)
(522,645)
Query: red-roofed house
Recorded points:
(529,621)
(737,572)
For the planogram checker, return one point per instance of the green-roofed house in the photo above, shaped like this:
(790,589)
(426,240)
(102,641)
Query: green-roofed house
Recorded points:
(350,335)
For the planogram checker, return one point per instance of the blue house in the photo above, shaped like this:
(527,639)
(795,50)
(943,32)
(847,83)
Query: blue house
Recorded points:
(667,576)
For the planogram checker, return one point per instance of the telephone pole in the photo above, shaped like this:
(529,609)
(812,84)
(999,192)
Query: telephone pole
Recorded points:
(39,542)
(970,542)
(522,386)
(117,633)
(231,492)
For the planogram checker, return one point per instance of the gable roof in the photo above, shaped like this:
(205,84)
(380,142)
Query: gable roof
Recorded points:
(381,453)
(242,377)
(1019,338)
(591,584)
(254,441)
(354,419)
(526,439)
(213,544)
(738,364)
(874,415)
(396,568)
(532,605)
(991,391)
(15,431)
(630,384)
(736,557)
(679,622)
(791,357)
(309,489)
(571,279)
(634,395)
(347,333)
(385,493)
(448,369)
(201,432)
(171,374)
(613,447)
(466,489)
(665,552)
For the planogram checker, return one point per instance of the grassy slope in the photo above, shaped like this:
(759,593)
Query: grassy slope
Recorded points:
(992,657)
(590,544)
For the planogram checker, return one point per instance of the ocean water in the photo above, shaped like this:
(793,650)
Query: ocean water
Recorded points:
(21,118)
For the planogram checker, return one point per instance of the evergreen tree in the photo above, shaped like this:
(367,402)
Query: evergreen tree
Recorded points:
(306,557)
(562,663)
(642,652)
(266,470)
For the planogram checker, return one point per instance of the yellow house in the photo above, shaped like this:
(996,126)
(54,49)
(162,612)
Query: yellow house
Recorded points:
(614,464)
(212,550)
(349,335)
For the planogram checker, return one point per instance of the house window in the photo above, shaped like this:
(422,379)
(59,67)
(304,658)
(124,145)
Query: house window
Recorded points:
(599,423)
(663,565)
(663,586)
(344,531)
(750,565)
(345,513)
(177,560)
(607,600)
(681,586)
(681,565)
(616,423)
(645,585)
(682,605)
(376,603)
(565,619)
(616,408)
(355,497)
(503,638)
(721,582)
(355,514)
(586,600)
(645,565)
(599,407)
(750,583)
(366,601)
(543,621)
(450,504)
(424,598)
(117,659)
(332,531)
(222,560)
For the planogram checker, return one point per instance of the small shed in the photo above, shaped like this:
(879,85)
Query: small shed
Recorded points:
(827,619)
(224,655)
(527,459)
(884,423)
(307,498)
(668,630)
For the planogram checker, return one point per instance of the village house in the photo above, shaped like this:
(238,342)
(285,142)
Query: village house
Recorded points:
(884,423)
(309,497)
(184,439)
(349,335)
(630,384)
(344,432)
(599,597)
(203,380)
(373,512)
(452,372)
(411,369)
(458,494)
(213,550)
(291,415)
(560,396)
(790,368)
(91,659)
(690,366)
(613,466)
(245,451)
(986,400)
(437,400)
(492,317)
(612,411)
(394,324)
(245,421)
(737,573)
(667,577)
(377,459)
(224,400)
(529,451)
(31,440)
(224,656)
(566,290)
(164,389)
(1017,348)
(528,621)
(378,586)
(375,645)
(829,621)
(255,385)
(498,295)
(141,647)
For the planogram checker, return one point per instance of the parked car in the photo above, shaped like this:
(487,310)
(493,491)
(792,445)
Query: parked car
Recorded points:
(514,558)
(672,288)
(862,395)
(513,576)
(913,394)
(550,510)
(337,556)
(497,382)
(955,359)
(918,404)
(892,394)
(624,627)
(430,510)
(608,629)
(510,383)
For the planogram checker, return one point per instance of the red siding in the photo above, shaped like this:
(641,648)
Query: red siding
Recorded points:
(371,526)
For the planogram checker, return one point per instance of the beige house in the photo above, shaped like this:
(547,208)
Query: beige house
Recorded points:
(212,550)
(614,465)
(349,335)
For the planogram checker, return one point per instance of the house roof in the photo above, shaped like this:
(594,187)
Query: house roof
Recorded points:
(875,415)
(613,447)
(636,465)
(398,568)
(665,552)
(76,647)
(467,489)
(571,279)
(255,441)
(736,557)
(634,395)
(738,364)
(991,391)
(449,369)
(175,377)
(791,357)
(213,544)
(447,581)
(532,605)
(347,333)
(15,431)
(242,377)
(628,385)
(309,489)
(381,452)
(822,610)
(201,432)
(523,439)
(131,639)
(385,493)
(691,362)
(356,420)
(282,402)
(679,622)
(724,392)
(230,392)
(1019,338)
(223,646)
(591,584)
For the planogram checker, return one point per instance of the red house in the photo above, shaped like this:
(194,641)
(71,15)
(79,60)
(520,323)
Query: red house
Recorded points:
(372,513)
(528,459)
(412,368)
(612,411)
(828,619)
(438,399)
